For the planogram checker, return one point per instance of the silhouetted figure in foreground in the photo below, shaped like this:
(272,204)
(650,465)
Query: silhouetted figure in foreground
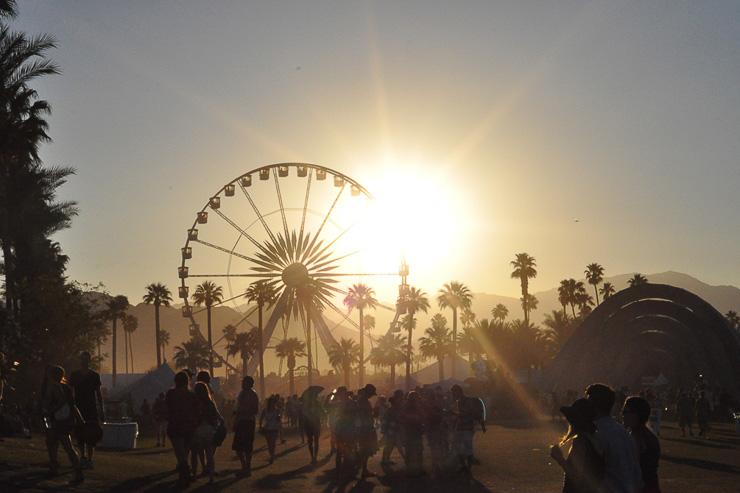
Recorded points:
(247,407)
(412,425)
(199,455)
(88,399)
(271,424)
(391,427)
(60,415)
(621,466)
(208,419)
(468,412)
(685,411)
(367,439)
(311,413)
(636,413)
(182,422)
(584,466)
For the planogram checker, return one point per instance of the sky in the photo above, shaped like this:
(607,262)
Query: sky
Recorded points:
(575,131)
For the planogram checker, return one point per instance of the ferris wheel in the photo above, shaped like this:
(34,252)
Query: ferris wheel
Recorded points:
(298,228)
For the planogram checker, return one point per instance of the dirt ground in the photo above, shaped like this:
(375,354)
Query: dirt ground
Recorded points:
(513,458)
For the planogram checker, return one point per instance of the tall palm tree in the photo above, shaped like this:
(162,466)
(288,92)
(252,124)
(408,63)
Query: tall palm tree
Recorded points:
(192,354)
(361,297)
(208,294)
(607,290)
(307,304)
(388,352)
(343,355)
(130,324)
(454,295)
(263,294)
(115,310)
(574,294)
(525,268)
(437,343)
(229,334)
(164,339)
(594,275)
(413,301)
(290,349)
(157,294)
(245,344)
(500,312)
(565,294)
(637,280)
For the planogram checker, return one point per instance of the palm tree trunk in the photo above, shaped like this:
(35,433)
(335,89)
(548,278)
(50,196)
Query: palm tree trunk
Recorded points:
(362,351)
(347,370)
(125,349)
(308,349)
(441,363)
(408,352)
(245,361)
(261,351)
(454,342)
(573,309)
(291,379)
(393,375)
(156,334)
(131,349)
(115,346)
(525,304)
(596,290)
(210,343)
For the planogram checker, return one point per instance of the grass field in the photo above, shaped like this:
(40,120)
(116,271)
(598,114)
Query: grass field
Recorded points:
(514,458)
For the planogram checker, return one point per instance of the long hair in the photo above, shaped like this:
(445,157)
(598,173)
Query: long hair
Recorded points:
(202,391)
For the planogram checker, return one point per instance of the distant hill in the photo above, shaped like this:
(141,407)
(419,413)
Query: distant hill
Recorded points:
(723,298)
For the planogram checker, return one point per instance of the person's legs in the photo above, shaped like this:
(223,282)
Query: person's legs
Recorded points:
(193,462)
(249,442)
(210,452)
(180,447)
(66,441)
(271,437)
(52,446)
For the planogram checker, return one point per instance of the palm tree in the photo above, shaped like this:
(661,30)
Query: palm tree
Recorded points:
(574,294)
(500,312)
(560,328)
(413,301)
(307,303)
(565,294)
(157,294)
(525,268)
(467,318)
(594,275)
(229,334)
(637,280)
(361,297)
(388,352)
(164,339)
(437,343)
(130,324)
(193,354)
(208,294)
(343,355)
(245,344)
(531,302)
(263,294)
(291,349)
(116,309)
(454,295)
(607,290)
(733,319)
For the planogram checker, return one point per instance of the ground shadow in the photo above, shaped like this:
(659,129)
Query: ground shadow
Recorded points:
(702,464)
(700,443)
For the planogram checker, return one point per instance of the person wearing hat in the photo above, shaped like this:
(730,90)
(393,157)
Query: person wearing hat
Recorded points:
(584,466)
(367,439)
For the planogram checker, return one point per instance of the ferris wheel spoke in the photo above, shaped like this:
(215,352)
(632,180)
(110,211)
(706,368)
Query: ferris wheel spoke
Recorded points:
(305,202)
(277,312)
(323,223)
(238,228)
(257,211)
(261,275)
(280,201)
(245,318)
(218,304)
(357,274)
(332,242)
(318,267)
(222,249)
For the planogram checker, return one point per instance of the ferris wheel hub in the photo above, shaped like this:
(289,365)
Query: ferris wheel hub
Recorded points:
(295,275)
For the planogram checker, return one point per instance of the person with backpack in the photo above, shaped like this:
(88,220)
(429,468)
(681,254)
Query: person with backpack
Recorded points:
(60,415)
(203,437)
(182,406)
(88,399)
(468,411)
(584,466)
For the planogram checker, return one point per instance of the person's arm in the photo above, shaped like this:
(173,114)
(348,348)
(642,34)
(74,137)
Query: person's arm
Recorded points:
(99,399)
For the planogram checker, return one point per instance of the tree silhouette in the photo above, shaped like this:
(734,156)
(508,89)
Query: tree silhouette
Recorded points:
(290,349)
(192,354)
(208,294)
(454,295)
(157,294)
(245,344)
(164,339)
(500,312)
(229,334)
(525,268)
(437,343)
(594,275)
(733,320)
(607,290)
(560,328)
(637,280)
(413,301)
(130,324)
(361,297)
(116,309)
(388,353)
(263,294)
(343,355)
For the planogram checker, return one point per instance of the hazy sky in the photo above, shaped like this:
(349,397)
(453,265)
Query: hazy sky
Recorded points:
(525,115)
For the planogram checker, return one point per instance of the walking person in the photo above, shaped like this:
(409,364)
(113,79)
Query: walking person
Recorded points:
(584,466)
(685,411)
(468,411)
(312,413)
(436,430)
(181,424)
(203,438)
(703,413)
(271,424)
(390,426)
(636,413)
(88,399)
(159,410)
(412,425)
(60,414)
(621,465)
(247,407)
(367,438)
